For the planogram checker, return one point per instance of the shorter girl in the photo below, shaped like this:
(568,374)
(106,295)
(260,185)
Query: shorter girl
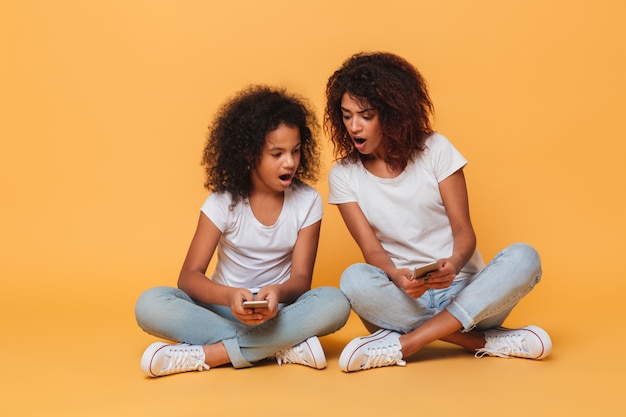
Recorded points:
(264,222)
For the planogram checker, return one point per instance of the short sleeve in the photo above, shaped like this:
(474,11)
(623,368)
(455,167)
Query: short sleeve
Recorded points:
(216,208)
(442,158)
(314,208)
(340,190)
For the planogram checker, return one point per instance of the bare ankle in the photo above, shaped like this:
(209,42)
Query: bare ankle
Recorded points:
(215,354)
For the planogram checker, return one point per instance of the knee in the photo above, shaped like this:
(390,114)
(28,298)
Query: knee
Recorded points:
(352,277)
(526,258)
(336,301)
(332,309)
(523,252)
(149,301)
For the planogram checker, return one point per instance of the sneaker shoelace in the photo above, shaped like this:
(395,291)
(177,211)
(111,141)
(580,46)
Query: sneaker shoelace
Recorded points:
(383,356)
(188,358)
(291,355)
(504,346)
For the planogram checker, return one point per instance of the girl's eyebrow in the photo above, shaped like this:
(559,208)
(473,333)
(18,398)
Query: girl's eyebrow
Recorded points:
(360,111)
(273,147)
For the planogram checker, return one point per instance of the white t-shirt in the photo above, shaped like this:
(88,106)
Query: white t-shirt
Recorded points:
(407,212)
(251,255)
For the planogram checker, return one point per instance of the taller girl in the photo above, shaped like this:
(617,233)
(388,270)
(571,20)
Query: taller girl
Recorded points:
(401,191)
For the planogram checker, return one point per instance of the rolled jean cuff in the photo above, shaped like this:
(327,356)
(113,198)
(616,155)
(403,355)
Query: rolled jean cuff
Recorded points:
(461,315)
(234,353)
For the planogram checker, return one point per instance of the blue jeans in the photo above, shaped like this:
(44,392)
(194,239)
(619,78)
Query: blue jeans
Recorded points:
(171,314)
(482,301)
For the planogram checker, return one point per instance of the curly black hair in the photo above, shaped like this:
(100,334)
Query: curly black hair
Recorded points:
(393,87)
(237,136)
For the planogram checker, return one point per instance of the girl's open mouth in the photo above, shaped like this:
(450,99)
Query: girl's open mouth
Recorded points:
(286,179)
(359,144)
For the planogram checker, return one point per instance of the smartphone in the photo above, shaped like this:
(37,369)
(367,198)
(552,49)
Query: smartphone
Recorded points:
(425,269)
(256,304)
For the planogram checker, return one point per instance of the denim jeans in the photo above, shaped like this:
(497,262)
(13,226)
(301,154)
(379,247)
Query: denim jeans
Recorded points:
(171,314)
(481,301)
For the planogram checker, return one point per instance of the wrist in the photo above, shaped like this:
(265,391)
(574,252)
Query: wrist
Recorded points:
(456,264)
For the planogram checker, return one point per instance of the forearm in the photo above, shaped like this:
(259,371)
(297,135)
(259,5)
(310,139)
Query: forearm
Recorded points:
(464,247)
(380,259)
(294,287)
(200,288)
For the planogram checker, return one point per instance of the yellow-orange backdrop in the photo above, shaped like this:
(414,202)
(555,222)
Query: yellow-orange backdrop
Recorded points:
(104,107)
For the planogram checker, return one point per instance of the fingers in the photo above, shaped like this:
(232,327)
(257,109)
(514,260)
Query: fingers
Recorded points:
(438,281)
(255,316)
(252,318)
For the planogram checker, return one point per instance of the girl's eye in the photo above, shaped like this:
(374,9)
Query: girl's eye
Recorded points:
(346,117)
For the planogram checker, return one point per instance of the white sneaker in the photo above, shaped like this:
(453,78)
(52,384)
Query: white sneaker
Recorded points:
(309,353)
(161,359)
(381,348)
(529,342)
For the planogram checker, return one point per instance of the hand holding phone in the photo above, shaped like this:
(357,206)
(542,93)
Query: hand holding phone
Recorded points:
(425,269)
(256,304)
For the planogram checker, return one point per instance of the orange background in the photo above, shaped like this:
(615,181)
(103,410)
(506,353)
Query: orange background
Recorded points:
(103,112)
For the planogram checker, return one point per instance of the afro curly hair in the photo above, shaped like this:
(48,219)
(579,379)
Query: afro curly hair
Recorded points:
(237,136)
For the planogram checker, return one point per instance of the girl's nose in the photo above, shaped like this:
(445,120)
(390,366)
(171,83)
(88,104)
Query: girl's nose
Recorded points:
(290,161)
(354,125)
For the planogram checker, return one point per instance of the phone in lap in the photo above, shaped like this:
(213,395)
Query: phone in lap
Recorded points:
(256,304)
(420,271)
